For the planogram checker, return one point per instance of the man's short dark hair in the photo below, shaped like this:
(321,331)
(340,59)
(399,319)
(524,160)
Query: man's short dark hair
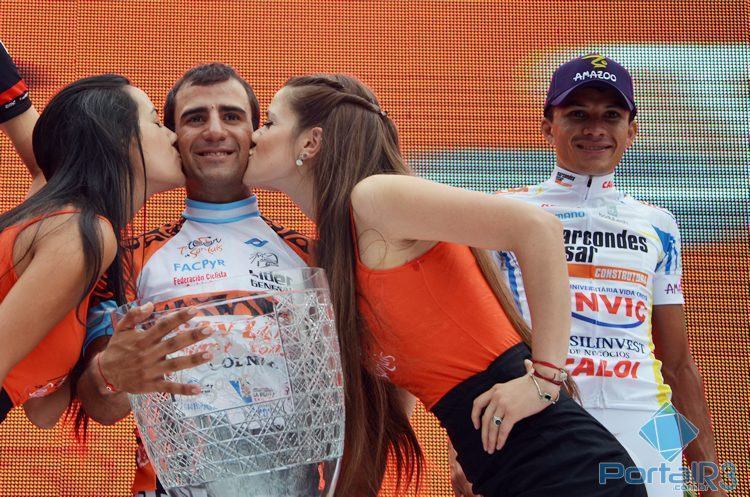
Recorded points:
(207,75)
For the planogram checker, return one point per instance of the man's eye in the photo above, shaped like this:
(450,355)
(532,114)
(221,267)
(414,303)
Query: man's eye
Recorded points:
(195,119)
(613,114)
(231,117)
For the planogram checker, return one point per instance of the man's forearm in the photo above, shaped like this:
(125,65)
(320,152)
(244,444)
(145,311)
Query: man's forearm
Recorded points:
(19,130)
(689,399)
(100,404)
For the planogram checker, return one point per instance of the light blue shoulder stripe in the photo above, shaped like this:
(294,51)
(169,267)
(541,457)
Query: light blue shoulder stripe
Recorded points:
(197,204)
(220,221)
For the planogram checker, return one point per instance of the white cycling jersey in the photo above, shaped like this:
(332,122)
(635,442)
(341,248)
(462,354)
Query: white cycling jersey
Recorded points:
(623,258)
(210,250)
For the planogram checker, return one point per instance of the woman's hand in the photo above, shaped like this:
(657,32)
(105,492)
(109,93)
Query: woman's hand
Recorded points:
(509,402)
(136,361)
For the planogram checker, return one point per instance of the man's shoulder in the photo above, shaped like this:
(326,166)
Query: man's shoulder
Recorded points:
(156,238)
(297,241)
(654,213)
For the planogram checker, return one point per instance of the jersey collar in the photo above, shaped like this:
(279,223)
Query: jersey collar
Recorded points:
(582,186)
(205,212)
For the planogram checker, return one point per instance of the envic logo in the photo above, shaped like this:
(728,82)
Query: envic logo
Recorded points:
(601,304)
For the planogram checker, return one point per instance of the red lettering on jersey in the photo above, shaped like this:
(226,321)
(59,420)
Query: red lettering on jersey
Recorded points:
(603,371)
(612,307)
(581,300)
(591,300)
(634,370)
(641,310)
(622,368)
(608,184)
(586,366)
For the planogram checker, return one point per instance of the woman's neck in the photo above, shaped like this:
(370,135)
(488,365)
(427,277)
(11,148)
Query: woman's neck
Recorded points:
(301,194)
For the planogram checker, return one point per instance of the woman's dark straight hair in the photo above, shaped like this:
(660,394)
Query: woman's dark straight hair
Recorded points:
(82,143)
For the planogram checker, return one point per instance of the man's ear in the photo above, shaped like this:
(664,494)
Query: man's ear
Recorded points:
(546,128)
(312,139)
(632,132)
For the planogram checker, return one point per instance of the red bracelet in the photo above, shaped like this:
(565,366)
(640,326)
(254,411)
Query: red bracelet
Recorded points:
(547,378)
(563,374)
(109,386)
(548,364)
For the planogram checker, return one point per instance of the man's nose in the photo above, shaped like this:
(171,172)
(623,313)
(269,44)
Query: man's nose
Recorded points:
(594,127)
(214,130)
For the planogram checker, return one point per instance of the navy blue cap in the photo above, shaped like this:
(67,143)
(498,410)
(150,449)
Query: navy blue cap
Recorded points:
(587,70)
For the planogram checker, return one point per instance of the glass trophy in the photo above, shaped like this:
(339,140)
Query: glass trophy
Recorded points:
(269,420)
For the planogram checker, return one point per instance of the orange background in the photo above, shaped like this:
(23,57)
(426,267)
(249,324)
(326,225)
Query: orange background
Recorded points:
(452,74)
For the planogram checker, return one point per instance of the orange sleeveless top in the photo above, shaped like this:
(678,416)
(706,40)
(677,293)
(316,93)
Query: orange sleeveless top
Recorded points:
(44,370)
(434,321)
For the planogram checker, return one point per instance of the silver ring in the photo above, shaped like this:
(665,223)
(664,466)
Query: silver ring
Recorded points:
(497,420)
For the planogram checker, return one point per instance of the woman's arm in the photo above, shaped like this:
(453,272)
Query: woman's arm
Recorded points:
(408,401)
(409,208)
(403,208)
(55,272)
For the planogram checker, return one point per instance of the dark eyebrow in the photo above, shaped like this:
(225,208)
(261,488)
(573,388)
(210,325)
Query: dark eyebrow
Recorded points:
(153,111)
(191,111)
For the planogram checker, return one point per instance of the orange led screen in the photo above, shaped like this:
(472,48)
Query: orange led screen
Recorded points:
(465,83)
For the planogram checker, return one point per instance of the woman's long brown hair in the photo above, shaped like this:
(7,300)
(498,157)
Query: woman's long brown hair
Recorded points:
(359,140)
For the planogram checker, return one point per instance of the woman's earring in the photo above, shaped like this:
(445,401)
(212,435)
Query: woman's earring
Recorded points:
(299,160)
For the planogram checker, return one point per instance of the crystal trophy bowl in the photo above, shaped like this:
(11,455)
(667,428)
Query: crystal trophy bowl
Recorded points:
(269,420)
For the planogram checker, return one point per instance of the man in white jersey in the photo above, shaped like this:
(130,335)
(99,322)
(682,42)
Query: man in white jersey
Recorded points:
(628,349)
(220,236)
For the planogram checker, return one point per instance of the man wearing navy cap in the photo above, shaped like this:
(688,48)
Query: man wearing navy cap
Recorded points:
(628,350)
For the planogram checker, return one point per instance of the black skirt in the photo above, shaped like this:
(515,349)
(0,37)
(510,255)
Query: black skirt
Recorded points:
(554,453)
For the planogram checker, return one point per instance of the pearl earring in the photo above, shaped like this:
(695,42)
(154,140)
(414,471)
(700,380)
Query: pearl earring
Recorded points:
(299,160)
